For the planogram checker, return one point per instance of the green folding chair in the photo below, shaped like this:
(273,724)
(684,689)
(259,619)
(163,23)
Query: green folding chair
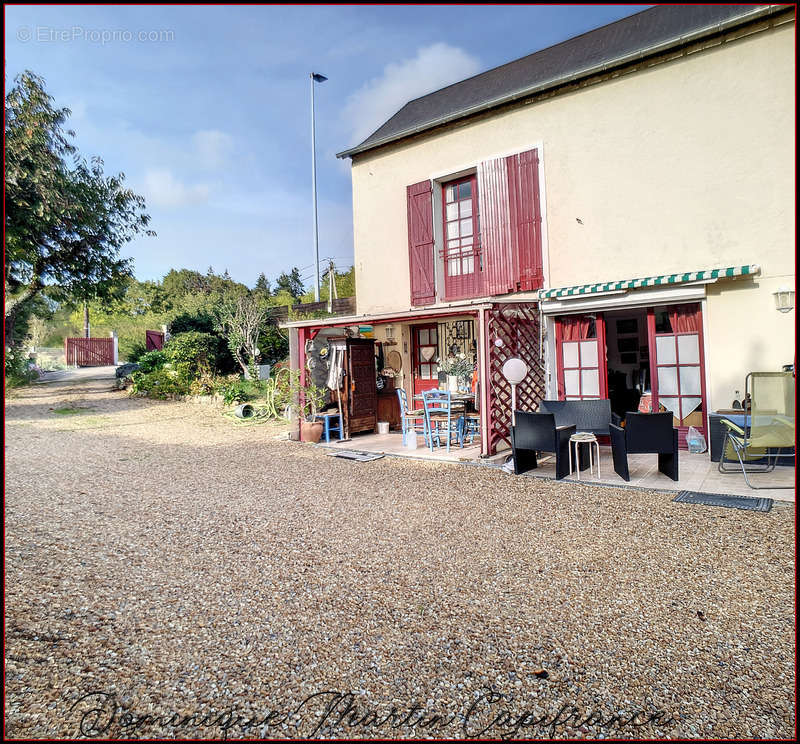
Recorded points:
(768,429)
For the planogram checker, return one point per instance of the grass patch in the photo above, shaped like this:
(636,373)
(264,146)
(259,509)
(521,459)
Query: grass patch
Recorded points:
(68,411)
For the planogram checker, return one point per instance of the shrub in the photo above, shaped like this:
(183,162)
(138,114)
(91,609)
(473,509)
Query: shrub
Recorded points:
(192,354)
(238,391)
(201,322)
(18,371)
(161,384)
(274,345)
(133,352)
(224,363)
(151,361)
(203,385)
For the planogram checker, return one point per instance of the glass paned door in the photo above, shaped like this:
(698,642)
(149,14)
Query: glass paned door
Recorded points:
(461,239)
(675,336)
(426,358)
(580,350)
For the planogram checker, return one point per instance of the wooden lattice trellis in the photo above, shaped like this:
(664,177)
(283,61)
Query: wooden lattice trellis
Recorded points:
(517,326)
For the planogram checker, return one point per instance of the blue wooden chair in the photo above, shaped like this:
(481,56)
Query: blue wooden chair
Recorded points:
(412,420)
(439,420)
(470,428)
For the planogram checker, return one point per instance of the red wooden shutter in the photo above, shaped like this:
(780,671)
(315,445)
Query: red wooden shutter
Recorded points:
(495,228)
(525,218)
(420,243)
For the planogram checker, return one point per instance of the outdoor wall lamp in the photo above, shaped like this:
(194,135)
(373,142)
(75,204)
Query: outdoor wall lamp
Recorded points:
(390,333)
(784,299)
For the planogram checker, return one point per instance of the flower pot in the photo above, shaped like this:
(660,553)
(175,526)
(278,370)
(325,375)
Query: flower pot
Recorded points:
(452,383)
(311,431)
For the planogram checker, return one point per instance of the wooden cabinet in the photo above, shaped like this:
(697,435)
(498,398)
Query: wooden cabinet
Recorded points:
(389,408)
(361,391)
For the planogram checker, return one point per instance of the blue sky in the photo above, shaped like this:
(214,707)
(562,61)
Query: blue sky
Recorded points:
(208,114)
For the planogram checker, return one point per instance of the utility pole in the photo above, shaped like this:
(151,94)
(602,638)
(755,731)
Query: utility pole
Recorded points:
(331,285)
(86,319)
(315,77)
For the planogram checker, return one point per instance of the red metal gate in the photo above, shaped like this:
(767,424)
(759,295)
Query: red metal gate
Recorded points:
(89,352)
(154,340)
(516,327)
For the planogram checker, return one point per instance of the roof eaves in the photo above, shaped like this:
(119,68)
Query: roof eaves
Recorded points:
(571,77)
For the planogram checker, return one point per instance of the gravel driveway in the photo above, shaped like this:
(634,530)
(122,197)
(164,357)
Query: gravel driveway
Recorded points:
(169,574)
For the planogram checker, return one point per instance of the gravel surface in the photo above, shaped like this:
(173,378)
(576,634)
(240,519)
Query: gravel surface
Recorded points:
(170,574)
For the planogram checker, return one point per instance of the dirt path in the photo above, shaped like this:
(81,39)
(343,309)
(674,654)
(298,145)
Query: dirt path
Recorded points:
(160,561)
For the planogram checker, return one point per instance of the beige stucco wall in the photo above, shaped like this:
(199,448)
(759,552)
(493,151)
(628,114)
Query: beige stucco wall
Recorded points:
(745,333)
(686,165)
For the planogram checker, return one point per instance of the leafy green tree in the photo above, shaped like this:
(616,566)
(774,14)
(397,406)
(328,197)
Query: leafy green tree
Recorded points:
(242,321)
(65,222)
(273,344)
(282,297)
(141,298)
(177,283)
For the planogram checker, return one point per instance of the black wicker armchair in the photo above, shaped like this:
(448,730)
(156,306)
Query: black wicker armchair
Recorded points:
(538,432)
(645,433)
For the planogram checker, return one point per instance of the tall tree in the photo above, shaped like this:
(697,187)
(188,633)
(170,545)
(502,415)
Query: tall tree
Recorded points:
(262,285)
(65,222)
(242,321)
(291,283)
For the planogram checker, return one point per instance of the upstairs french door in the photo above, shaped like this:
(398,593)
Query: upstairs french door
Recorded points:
(461,227)
(581,354)
(677,365)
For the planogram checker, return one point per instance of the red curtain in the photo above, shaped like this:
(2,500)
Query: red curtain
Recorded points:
(577,328)
(686,319)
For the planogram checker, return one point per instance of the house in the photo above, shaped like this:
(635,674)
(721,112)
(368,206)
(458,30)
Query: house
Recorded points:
(617,210)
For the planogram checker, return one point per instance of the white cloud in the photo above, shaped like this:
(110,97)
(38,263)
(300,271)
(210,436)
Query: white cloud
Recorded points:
(212,147)
(162,189)
(432,67)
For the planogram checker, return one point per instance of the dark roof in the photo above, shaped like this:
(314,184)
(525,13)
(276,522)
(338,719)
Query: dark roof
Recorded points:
(651,31)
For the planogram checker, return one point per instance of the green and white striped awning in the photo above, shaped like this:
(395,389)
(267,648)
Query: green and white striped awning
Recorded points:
(648,281)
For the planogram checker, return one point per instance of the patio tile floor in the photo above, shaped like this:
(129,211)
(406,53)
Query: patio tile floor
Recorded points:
(392,444)
(697,472)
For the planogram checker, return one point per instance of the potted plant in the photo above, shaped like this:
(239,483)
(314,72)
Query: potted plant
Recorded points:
(313,398)
(458,370)
(447,375)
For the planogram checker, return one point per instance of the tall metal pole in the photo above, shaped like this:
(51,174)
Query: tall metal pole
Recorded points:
(314,189)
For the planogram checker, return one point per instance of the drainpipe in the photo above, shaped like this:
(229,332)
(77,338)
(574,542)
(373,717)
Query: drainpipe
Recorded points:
(483,355)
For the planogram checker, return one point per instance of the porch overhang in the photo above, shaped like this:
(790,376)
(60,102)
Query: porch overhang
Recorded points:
(625,290)
(396,317)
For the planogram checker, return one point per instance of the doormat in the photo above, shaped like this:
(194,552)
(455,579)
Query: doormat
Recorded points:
(359,456)
(716,499)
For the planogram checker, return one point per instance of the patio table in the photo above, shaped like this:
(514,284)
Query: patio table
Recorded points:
(455,397)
